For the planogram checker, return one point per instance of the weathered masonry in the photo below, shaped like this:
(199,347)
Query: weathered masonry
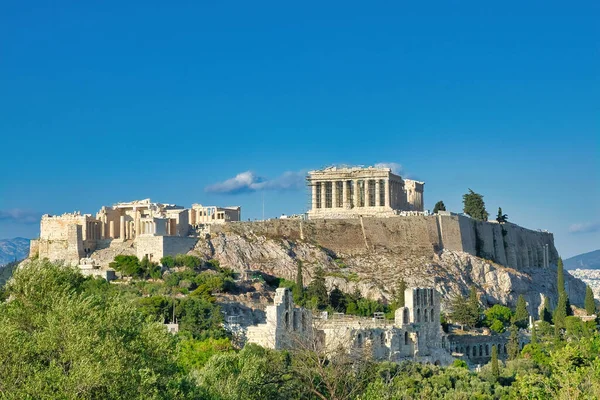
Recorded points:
(415,333)
(350,192)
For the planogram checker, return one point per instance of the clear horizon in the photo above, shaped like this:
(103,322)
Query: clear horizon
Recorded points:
(230,104)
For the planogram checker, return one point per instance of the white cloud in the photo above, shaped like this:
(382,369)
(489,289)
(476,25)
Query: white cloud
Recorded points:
(395,167)
(20,216)
(248,181)
(587,227)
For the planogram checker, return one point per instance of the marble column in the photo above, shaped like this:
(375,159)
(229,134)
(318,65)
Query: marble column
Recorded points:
(122,228)
(314,195)
(387,193)
(323,202)
(367,193)
(377,193)
(334,203)
(356,194)
(111,229)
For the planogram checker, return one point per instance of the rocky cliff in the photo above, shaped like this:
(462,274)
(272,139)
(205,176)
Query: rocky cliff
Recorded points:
(374,254)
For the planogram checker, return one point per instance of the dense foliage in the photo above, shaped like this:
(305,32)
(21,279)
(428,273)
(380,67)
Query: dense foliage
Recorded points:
(73,337)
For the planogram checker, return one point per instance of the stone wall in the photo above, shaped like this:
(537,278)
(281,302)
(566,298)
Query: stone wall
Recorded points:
(506,244)
(157,247)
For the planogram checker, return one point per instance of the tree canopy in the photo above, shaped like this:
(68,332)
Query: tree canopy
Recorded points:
(474,206)
(439,206)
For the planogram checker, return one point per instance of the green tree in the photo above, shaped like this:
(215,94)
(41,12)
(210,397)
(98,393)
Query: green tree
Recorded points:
(560,276)
(473,306)
(439,206)
(590,303)
(465,310)
(546,314)
(474,206)
(399,300)
(513,343)
(337,300)
(521,314)
(60,341)
(495,365)
(317,290)
(127,265)
(560,312)
(298,289)
(501,218)
(498,317)
(534,334)
(167,261)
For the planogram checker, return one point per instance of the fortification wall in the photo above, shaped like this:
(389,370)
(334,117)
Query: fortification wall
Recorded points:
(506,244)
(156,247)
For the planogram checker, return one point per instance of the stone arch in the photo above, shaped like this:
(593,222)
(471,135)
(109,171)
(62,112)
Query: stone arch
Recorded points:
(382,338)
(405,317)
(286,319)
(406,338)
(480,350)
(487,349)
(418,315)
(431,314)
(425,319)
(467,351)
(437,363)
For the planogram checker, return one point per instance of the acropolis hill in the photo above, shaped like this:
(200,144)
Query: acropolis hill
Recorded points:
(367,235)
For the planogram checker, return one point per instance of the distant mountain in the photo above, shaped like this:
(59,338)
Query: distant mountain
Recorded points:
(13,249)
(589,260)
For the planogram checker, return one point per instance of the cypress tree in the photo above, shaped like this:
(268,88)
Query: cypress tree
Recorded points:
(560,276)
(495,366)
(590,303)
(546,312)
(474,311)
(317,290)
(298,291)
(560,313)
(513,343)
(400,300)
(533,335)
(521,315)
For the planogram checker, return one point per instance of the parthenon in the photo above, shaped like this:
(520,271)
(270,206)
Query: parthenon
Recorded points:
(353,191)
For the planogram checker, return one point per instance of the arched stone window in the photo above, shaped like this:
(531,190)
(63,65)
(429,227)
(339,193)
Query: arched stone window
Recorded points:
(286,319)
(431,314)
(418,315)
(425,316)
(487,349)
(359,340)
(405,317)
(480,350)
(382,339)
(406,338)
(467,351)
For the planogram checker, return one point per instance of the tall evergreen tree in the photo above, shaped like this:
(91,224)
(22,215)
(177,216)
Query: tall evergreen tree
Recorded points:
(521,315)
(474,308)
(501,218)
(533,334)
(513,343)
(560,276)
(400,300)
(560,313)
(495,365)
(439,206)
(298,291)
(590,303)
(317,290)
(546,311)
(474,206)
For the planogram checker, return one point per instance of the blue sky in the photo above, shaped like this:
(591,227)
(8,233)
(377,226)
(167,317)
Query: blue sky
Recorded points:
(103,102)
